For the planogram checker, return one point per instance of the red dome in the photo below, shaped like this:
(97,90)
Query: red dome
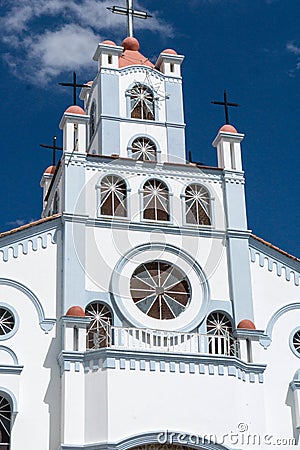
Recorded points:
(228,129)
(75,311)
(170,51)
(75,110)
(109,43)
(51,170)
(246,325)
(131,43)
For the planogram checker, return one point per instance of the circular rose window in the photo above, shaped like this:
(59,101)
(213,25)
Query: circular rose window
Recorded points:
(160,290)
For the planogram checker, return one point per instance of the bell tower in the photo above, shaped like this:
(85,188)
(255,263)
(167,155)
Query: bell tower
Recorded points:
(135,106)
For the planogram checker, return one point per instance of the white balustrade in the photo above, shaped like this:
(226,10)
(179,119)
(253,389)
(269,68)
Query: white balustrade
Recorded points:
(169,341)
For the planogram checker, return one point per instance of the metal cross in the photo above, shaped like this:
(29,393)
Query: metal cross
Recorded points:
(54,148)
(75,85)
(226,104)
(130,13)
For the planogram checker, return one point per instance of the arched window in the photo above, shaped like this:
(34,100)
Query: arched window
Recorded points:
(99,331)
(141,102)
(219,326)
(156,200)
(113,196)
(5,423)
(93,119)
(197,205)
(143,149)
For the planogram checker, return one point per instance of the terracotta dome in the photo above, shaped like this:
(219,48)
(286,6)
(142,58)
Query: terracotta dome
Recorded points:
(131,43)
(246,325)
(75,311)
(51,170)
(89,83)
(170,51)
(228,129)
(75,110)
(109,43)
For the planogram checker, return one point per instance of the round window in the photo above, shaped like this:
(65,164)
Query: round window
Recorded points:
(7,321)
(295,342)
(160,290)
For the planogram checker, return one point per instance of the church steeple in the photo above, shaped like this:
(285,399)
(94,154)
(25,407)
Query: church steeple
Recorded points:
(134,99)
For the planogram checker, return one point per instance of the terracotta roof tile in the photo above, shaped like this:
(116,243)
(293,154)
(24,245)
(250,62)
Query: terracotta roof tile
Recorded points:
(268,244)
(30,225)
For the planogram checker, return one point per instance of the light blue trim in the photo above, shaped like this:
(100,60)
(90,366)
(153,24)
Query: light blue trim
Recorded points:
(274,261)
(11,353)
(12,370)
(20,245)
(291,341)
(152,226)
(141,361)
(4,337)
(169,125)
(11,398)
(266,340)
(165,248)
(46,324)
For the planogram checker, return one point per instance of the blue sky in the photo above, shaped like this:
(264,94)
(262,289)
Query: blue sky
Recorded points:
(250,48)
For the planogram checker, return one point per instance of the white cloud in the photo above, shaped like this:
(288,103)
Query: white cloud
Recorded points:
(292,48)
(46,37)
(295,50)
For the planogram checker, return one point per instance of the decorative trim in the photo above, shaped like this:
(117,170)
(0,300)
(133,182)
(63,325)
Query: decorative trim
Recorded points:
(266,339)
(142,121)
(12,370)
(233,177)
(46,324)
(38,241)
(181,323)
(214,365)
(11,398)
(275,262)
(11,353)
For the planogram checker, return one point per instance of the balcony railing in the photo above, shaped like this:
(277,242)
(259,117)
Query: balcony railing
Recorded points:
(167,341)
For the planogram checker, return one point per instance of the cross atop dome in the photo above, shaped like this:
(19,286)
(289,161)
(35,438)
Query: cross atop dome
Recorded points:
(130,13)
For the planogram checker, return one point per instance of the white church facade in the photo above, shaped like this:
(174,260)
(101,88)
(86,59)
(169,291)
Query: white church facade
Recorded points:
(140,311)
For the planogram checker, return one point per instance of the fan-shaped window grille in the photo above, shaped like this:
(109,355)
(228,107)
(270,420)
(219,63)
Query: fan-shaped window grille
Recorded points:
(141,102)
(220,327)
(143,149)
(160,290)
(113,196)
(156,200)
(99,329)
(7,321)
(197,205)
(296,341)
(5,423)
(93,119)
